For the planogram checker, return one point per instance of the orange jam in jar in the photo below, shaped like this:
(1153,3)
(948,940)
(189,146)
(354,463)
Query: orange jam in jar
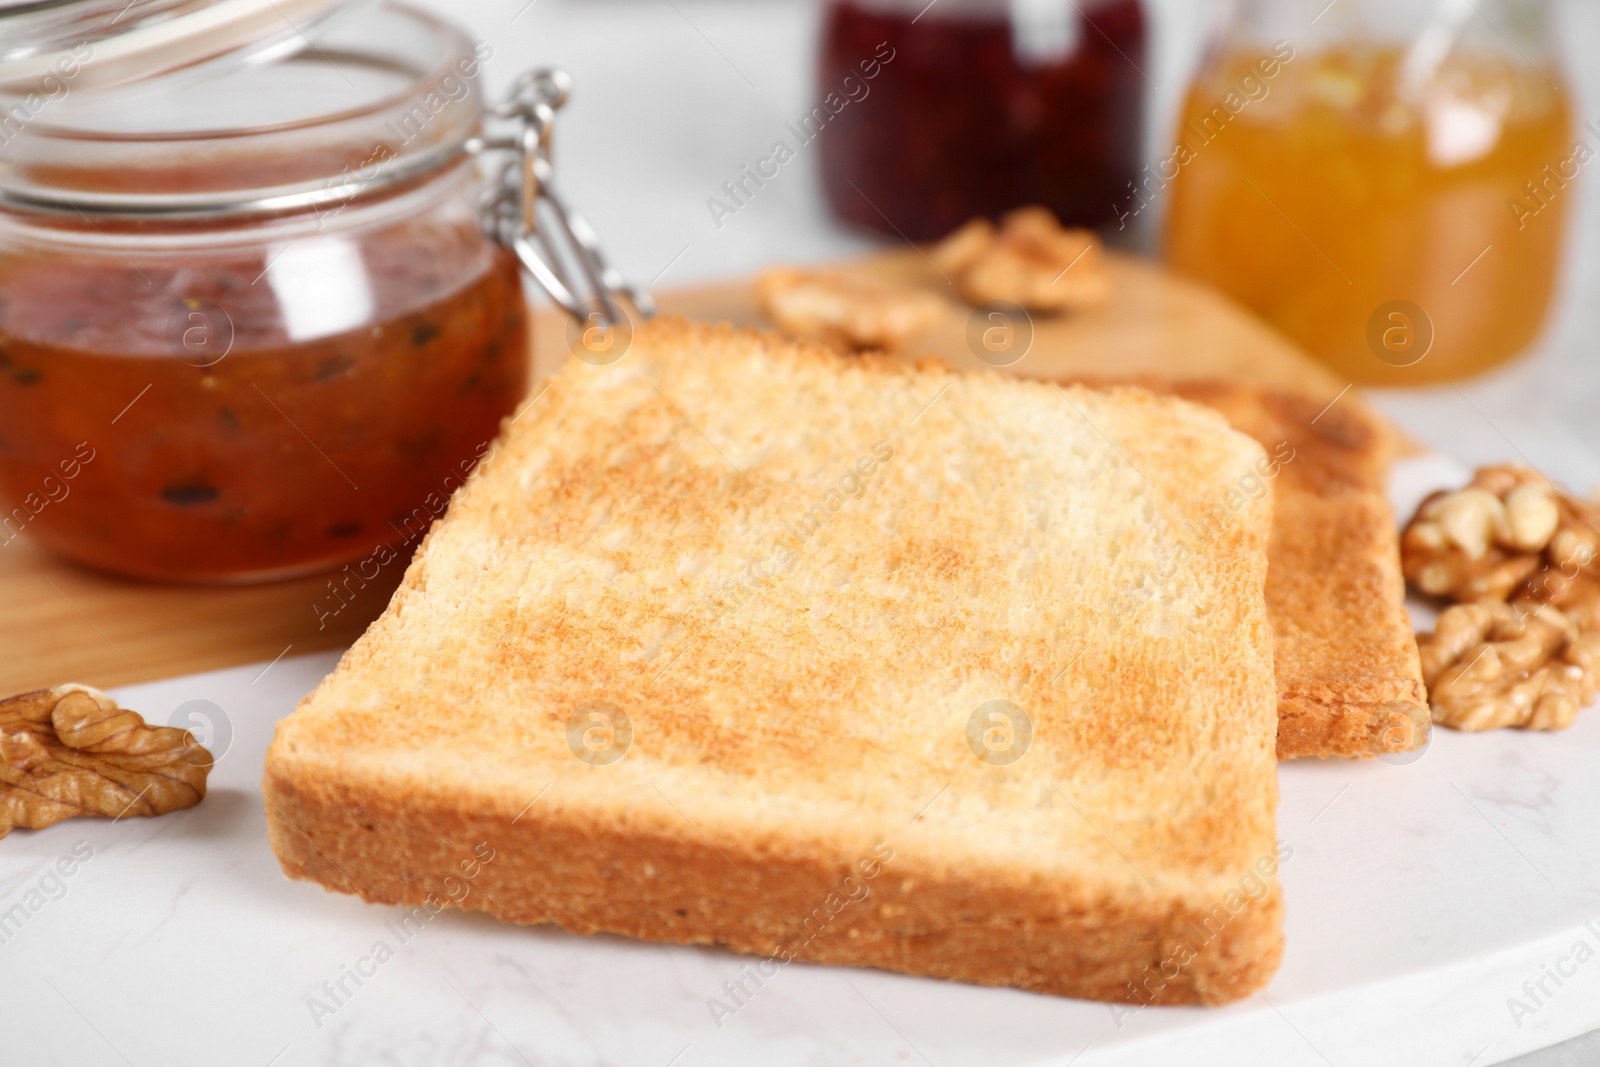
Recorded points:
(1397,211)
(240,424)
(260,324)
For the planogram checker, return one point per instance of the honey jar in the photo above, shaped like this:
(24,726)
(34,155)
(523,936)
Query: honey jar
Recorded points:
(1389,184)
(261,301)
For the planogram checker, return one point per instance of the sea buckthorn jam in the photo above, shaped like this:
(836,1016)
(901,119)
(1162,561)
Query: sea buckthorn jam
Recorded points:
(261,311)
(260,319)
(251,413)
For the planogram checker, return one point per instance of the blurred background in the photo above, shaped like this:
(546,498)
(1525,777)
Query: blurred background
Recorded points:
(672,97)
(1398,188)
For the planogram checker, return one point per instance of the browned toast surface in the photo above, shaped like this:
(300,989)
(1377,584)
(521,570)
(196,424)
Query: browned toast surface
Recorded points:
(903,668)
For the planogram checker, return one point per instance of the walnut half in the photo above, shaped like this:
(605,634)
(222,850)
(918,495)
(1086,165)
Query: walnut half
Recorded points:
(1030,261)
(1491,664)
(1510,533)
(72,751)
(846,313)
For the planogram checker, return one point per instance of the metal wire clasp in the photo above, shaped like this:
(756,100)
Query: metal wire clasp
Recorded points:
(554,243)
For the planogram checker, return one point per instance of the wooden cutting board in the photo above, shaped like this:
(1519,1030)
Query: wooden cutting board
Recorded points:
(63,623)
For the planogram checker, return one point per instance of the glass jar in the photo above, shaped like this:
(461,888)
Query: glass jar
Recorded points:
(253,322)
(1387,183)
(931,114)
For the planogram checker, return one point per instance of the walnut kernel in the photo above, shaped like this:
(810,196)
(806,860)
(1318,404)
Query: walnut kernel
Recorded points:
(1490,664)
(1030,261)
(72,751)
(846,312)
(1509,533)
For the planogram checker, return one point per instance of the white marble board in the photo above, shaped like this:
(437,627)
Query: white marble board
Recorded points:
(1426,901)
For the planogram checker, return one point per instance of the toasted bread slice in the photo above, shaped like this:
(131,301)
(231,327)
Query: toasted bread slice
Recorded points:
(740,641)
(1349,678)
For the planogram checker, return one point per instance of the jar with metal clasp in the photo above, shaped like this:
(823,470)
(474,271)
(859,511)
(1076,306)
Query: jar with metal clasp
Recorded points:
(261,291)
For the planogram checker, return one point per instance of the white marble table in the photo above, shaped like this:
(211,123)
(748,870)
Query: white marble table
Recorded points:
(1422,897)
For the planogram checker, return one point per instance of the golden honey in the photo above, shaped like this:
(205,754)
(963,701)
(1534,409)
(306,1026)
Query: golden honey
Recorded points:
(1404,226)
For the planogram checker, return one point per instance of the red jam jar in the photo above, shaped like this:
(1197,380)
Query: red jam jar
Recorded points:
(936,113)
(261,319)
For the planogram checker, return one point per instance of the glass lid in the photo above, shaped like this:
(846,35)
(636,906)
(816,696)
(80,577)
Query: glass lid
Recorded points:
(101,43)
(365,103)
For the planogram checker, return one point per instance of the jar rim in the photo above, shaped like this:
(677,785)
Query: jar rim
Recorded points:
(134,42)
(325,154)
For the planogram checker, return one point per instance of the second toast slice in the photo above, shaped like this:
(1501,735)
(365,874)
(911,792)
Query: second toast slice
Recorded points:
(1349,677)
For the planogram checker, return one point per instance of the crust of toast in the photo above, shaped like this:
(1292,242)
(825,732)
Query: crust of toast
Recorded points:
(795,905)
(1349,677)
(801,781)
